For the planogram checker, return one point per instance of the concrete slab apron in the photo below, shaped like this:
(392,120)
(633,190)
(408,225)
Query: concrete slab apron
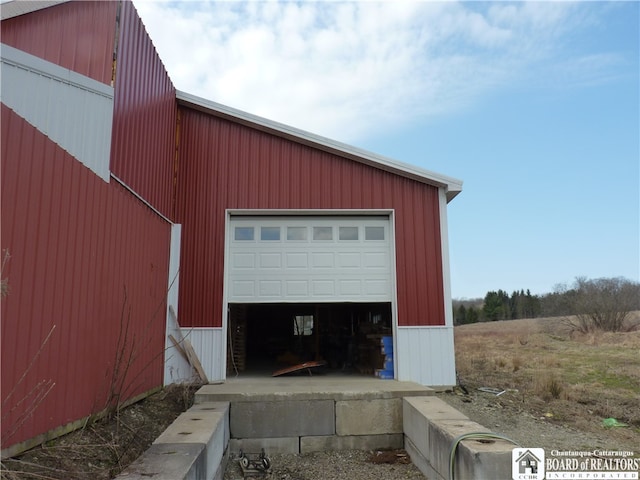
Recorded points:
(288,418)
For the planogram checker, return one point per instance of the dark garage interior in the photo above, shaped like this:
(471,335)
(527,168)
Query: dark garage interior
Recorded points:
(264,338)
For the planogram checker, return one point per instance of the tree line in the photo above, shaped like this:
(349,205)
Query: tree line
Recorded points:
(603,303)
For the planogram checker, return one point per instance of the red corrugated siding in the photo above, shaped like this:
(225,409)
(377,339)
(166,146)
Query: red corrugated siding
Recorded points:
(76,244)
(76,35)
(144,123)
(225,165)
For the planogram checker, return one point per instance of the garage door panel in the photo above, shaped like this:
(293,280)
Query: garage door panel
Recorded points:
(314,259)
(297,260)
(376,260)
(271,260)
(243,289)
(322,260)
(243,260)
(270,288)
(377,287)
(322,288)
(297,288)
(348,260)
(350,287)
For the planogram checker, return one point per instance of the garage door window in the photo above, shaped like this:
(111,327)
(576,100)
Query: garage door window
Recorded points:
(296,233)
(243,233)
(322,233)
(374,233)
(269,233)
(348,233)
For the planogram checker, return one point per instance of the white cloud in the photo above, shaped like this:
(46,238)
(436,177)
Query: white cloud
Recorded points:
(350,70)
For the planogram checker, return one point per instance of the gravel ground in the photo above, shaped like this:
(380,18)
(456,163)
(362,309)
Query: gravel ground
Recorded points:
(507,415)
(338,465)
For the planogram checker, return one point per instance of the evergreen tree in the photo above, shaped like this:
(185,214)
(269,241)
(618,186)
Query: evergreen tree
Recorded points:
(494,306)
(472,315)
(460,315)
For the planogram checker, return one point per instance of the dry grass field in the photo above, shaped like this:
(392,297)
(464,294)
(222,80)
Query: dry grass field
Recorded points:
(554,377)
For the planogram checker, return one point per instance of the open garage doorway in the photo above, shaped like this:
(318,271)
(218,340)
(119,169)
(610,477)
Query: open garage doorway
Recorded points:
(264,338)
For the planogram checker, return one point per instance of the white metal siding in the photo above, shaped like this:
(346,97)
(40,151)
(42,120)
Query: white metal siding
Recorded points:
(425,355)
(209,345)
(74,111)
(310,269)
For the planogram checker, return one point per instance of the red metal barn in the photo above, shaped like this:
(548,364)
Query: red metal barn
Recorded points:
(288,246)
(83,324)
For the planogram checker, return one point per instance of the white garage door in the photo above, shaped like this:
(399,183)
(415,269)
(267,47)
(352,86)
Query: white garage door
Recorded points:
(309,259)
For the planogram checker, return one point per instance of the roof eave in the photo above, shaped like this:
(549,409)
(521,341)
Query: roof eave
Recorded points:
(451,185)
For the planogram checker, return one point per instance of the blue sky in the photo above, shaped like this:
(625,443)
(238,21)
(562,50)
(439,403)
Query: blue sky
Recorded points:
(535,106)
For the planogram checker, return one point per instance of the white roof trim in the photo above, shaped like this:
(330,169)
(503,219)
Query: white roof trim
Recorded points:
(16,8)
(451,185)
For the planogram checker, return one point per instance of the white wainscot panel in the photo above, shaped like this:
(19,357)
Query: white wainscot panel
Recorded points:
(176,368)
(209,345)
(425,355)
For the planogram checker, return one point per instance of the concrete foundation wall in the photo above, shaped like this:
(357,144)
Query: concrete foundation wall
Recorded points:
(282,418)
(283,425)
(430,428)
(369,417)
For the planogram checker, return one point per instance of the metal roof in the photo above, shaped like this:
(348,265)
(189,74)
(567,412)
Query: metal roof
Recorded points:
(452,186)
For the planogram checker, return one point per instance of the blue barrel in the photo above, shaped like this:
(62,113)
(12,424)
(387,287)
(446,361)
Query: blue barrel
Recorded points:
(388,363)
(387,345)
(384,374)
